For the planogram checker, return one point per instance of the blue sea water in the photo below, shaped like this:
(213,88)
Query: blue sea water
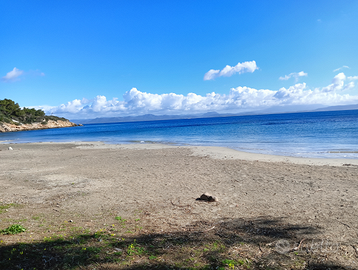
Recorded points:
(312,134)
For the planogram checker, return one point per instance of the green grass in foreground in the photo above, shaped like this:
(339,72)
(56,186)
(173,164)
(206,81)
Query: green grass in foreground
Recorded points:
(113,247)
(86,250)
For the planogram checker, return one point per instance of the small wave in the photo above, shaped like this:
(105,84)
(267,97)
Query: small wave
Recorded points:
(343,152)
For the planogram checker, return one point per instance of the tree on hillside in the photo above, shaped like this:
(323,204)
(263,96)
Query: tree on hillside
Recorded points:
(9,107)
(11,112)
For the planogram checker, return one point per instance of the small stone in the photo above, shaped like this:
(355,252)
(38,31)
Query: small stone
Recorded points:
(212,199)
(10,148)
(71,220)
(118,249)
(207,197)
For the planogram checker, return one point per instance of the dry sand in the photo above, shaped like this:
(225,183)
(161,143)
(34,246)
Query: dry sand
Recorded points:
(306,198)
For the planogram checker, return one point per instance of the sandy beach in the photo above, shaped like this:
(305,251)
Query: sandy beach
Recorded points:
(279,197)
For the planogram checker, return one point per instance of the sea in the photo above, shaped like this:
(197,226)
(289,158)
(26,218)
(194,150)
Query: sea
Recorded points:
(332,134)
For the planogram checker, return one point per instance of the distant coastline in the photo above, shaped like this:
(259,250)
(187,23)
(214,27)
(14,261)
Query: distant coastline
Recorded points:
(152,117)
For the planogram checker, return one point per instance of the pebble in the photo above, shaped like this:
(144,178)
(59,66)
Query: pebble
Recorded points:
(208,197)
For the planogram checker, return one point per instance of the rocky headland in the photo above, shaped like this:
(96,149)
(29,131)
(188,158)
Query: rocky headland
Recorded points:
(16,118)
(7,127)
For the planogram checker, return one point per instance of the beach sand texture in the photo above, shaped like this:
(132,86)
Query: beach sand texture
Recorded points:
(303,198)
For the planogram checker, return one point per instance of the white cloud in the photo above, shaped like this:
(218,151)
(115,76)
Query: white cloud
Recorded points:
(72,106)
(239,99)
(211,74)
(338,84)
(337,69)
(13,75)
(249,66)
(352,78)
(295,75)
(35,73)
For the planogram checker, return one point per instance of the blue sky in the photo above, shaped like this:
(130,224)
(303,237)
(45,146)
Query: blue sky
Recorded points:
(85,59)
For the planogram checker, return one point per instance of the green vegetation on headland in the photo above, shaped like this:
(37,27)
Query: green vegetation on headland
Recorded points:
(12,113)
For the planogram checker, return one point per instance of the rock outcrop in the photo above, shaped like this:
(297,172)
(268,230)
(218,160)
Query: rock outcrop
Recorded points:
(5,127)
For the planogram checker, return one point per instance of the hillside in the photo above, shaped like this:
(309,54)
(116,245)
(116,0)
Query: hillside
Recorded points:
(15,118)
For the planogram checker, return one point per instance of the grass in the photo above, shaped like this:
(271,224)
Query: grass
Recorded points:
(13,229)
(120,219)
(84,250)
(75,246)
(5,207)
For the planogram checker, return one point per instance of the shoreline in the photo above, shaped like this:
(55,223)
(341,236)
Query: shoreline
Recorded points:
(215,152)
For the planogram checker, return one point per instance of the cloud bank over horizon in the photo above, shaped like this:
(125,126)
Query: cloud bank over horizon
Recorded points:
(249,66)
(238,100)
